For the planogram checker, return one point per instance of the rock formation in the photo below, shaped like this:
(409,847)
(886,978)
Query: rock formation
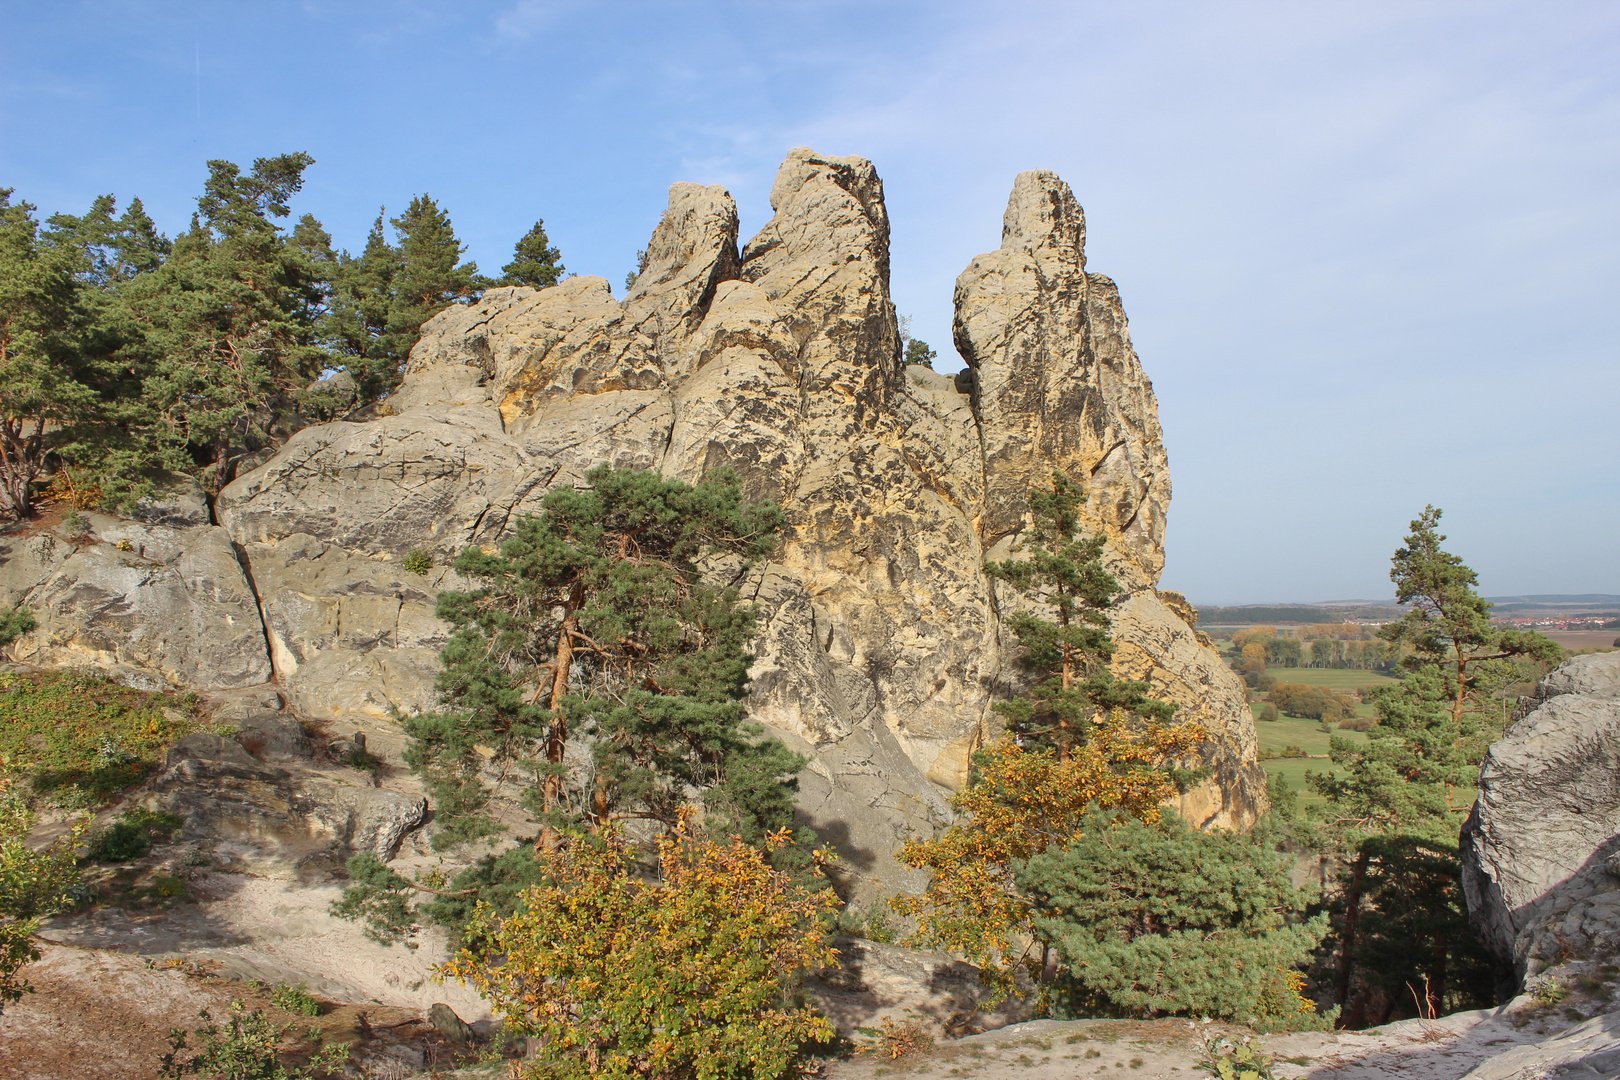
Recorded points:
(880,651)
(1541,850)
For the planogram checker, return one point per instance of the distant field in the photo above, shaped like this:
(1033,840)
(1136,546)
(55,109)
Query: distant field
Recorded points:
(1332,678)
(1309,737)
(1305,734)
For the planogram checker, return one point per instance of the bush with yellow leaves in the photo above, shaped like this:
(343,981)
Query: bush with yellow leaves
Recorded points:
(695,974)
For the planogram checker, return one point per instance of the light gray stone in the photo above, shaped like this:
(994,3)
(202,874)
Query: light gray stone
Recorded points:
(1541,846)
(173,602)
(875,982)
(178,501)
(280,816)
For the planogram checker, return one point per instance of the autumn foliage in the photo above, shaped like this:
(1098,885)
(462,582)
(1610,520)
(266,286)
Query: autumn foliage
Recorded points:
(691,975)
(1024,802)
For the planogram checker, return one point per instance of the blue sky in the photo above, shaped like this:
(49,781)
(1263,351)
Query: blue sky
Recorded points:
(1370,251)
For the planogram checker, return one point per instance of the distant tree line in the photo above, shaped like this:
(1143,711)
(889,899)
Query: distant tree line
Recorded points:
(124,353)
(1264,647)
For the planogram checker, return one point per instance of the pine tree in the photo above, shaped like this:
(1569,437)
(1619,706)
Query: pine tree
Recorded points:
(42,397)
(1395,802)
(1068,657)
(226,323)
(356,329)
(534,261)
(108,251)
(1079,739)
(593,629)
(109,449)
(593,620)
(430,275)
(919,354)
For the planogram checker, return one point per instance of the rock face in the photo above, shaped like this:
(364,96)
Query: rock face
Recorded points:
(161,605)
(1541,849)
(881,650)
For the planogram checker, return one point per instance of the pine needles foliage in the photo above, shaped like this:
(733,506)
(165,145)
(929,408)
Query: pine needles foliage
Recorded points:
(1154,918)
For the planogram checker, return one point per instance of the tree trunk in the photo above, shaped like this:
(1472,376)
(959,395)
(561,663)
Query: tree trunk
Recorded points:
(1352,911)
(1068,677)
(557,732)
(17,472)
(1435,989)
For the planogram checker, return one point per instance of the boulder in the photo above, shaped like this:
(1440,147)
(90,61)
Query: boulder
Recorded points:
(177,501)
(875,982)
(447,1023)
(278,817)
(352,637)
(267,734)
(1541,848)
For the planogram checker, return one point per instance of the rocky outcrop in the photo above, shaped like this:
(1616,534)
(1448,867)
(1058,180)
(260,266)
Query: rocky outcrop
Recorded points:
(881,648)
(1541,849)
(156,604)
(278,818)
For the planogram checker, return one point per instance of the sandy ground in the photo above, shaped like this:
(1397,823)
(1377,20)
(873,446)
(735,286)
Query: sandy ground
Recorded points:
(102,1015)
(276,931)
(113,983)
(107,1016)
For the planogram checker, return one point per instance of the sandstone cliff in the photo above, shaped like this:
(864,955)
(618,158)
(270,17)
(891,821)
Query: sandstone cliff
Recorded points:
(880,651)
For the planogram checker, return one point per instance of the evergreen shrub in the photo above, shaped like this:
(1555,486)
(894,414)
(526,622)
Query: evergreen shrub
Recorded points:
(1153,918)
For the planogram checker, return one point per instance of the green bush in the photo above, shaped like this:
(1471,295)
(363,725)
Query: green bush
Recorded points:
(1157,918)
(81,739)
(1311,702)
(14,622)
(1268,712)
(245,1047)
(132,835)
(417,561)
(295,999)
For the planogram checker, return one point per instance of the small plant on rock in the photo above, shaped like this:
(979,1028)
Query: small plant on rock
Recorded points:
(417,561)
(1239,1060)
(1549,993)
(132,835)
(34,884)
(901,1039)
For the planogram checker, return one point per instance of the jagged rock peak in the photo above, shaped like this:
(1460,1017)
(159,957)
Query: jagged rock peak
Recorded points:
(1057,383)
(693,249)
(1044,217)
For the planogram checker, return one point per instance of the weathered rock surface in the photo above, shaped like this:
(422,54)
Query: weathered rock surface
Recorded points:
(881,650)
(278,817)
(875,982)
(1541,849)
(131,597)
